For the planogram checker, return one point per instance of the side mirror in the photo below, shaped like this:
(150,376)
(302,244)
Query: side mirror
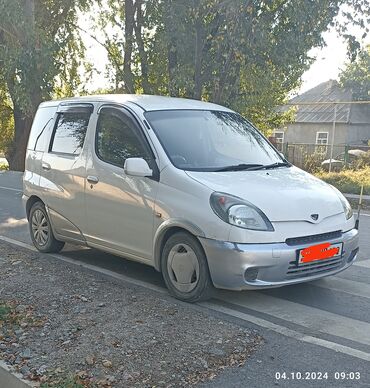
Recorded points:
(137,167)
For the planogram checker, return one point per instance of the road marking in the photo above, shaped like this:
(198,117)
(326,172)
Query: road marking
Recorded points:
(363,263)
(11,189)
(310,317)
(250,318)
(343,285)
(94,268)
(289,332)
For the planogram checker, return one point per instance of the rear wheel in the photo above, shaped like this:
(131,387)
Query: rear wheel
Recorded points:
(40,229)
(185,268)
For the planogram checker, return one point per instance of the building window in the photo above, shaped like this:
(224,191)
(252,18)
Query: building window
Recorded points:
(322,139)
(279,139)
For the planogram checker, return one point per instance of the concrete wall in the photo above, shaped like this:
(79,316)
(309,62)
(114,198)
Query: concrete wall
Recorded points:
(306,132)
(357,133)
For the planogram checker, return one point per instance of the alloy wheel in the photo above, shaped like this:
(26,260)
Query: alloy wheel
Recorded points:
(40,228)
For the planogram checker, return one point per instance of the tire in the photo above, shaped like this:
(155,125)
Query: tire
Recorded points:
(41,232)
(185,268)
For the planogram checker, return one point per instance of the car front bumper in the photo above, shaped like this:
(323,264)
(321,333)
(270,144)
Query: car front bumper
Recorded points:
(238,266)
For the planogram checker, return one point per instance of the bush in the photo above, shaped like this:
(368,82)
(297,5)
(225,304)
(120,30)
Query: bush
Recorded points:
(348,181)
(363,161)
(312,162)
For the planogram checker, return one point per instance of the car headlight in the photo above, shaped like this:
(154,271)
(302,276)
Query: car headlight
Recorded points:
(238,212)
(346,205)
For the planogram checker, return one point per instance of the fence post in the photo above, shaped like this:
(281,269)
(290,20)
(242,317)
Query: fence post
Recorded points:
(346,148)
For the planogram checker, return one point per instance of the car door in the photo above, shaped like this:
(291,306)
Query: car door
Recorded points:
(63,176)
(120,208)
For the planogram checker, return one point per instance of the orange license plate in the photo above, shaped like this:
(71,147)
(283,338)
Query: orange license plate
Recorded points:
(320,252)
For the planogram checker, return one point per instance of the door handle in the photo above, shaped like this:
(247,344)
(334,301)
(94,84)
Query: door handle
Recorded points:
(46,166)
(92,179)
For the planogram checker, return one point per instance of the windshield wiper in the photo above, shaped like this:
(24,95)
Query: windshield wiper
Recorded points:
(270,166)
(240,167)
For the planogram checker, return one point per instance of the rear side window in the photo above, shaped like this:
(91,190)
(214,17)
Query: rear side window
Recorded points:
(40,128)
(69,132)
(117,138)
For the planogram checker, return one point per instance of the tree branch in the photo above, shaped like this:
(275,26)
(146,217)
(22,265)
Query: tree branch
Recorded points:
(117,65)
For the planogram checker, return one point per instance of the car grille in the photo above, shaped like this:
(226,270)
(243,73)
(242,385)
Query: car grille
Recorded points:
(313,238)
(309,269)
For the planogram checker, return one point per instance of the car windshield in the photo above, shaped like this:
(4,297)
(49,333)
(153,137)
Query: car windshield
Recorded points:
(198,140)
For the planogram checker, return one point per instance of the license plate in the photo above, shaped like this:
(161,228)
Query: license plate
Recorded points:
(320,252)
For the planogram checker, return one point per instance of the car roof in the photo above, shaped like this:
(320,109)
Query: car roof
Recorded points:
(146,102)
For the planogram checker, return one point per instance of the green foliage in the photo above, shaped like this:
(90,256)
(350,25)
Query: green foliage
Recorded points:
(4,312)
(247,55)
(363,161)
(356,76)
(40,57)
(348,181)
(6,119)
(63,382)
(312,162)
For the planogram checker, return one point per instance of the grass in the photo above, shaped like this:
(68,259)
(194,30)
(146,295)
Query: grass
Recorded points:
(348,181)
(4,167)
(4,312)
(69,382)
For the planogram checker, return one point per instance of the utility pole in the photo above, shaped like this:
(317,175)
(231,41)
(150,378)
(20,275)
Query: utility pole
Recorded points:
(333,135)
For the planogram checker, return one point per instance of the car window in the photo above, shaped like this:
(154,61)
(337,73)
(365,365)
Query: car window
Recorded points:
(198,140)
(42,122)
(69,133)
(117,138)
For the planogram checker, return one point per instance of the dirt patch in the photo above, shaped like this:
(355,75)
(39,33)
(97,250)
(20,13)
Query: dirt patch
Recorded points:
(65,326)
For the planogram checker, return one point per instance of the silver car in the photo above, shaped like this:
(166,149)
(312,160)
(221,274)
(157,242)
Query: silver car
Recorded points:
(190,188)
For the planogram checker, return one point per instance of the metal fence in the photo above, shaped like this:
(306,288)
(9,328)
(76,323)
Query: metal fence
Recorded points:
(307,156)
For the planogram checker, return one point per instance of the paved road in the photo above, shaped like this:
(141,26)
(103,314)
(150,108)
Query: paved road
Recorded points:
(323,326)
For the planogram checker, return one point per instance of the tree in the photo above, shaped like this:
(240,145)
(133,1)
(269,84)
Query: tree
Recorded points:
(6,118)
(244,54)
(37,43)
(356,76)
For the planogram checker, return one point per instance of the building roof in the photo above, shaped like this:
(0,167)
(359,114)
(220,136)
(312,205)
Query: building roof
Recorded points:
(146,102)
(324,92)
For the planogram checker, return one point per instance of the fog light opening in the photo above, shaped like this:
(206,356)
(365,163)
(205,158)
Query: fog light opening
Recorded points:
(352,255)
(250,275)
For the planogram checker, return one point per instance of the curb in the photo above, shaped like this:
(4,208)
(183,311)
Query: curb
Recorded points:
(354,201)
(10,379)
(356,196)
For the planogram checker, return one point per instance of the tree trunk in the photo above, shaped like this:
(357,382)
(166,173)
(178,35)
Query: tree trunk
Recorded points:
(127,60)
(23,118)
(199,43)
(17,150)
(140,45)
(170,30)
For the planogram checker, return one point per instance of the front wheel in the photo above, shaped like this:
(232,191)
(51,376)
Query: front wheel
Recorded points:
(40,229)
(185,268)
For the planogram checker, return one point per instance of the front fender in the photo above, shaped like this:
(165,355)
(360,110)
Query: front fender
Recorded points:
(166,226)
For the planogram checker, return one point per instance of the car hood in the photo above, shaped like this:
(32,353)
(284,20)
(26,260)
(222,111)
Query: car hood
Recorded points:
(283,194)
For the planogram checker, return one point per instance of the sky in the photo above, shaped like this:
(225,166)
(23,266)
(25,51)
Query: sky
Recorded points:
(330,60)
